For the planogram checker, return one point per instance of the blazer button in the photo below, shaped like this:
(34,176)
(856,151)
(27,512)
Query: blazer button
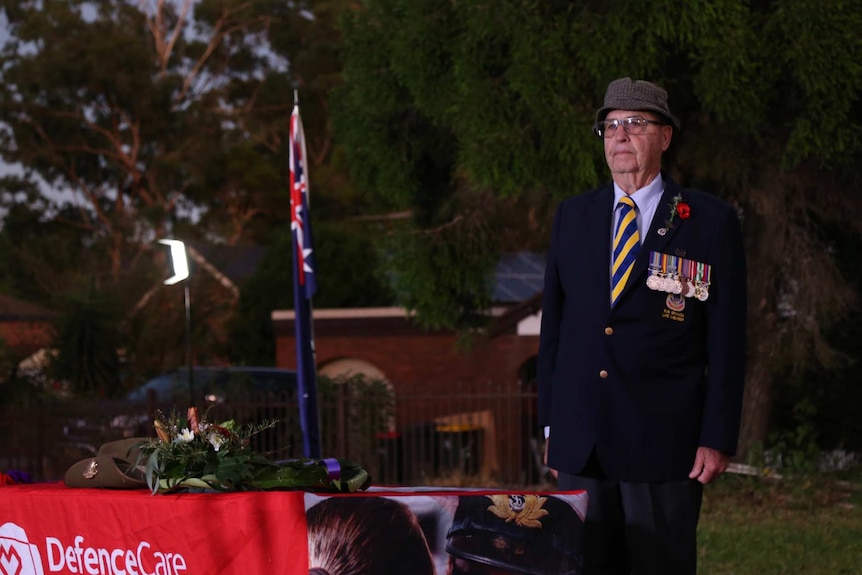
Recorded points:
(603,374)
(609,330)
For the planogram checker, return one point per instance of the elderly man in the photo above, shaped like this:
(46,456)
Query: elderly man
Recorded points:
(642,353)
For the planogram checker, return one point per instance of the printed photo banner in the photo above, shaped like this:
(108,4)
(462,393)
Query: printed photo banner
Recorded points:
(52,529)
(446,532)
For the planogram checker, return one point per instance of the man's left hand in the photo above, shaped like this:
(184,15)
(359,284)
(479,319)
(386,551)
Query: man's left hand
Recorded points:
(708,464)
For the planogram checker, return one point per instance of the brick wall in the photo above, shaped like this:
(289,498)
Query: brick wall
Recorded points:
(437,379)
(415,361)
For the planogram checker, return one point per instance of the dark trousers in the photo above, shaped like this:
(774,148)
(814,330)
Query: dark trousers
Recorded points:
(637,528)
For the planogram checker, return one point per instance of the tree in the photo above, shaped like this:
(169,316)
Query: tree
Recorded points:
(170,118)
(143,113)
(157,118)
(89,343)
(444,102)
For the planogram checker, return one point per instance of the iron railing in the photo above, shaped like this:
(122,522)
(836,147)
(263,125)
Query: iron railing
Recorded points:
(489,439)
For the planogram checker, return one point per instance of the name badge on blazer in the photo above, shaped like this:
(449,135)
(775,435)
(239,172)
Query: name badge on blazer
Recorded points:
(677,275)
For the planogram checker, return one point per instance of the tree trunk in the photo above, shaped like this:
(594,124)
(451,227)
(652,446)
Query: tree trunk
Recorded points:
(756,408)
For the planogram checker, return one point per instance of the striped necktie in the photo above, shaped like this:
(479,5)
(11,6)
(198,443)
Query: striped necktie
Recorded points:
(626,246)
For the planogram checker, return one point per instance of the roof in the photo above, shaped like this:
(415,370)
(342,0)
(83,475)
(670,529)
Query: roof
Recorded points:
(12,309)
(520,276)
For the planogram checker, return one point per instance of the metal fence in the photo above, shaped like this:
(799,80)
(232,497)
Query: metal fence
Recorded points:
(489,439)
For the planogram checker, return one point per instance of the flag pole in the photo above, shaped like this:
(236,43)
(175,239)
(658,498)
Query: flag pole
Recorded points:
(304,286)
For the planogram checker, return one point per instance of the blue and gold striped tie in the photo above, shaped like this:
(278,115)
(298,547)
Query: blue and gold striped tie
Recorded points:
(626,246)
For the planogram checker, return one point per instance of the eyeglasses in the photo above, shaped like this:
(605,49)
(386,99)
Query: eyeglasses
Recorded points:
(634,125)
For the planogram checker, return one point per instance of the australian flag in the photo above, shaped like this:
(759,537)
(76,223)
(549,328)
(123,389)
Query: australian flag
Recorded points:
(304,286)
(300,222)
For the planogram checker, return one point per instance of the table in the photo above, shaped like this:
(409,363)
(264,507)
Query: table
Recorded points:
(50,528)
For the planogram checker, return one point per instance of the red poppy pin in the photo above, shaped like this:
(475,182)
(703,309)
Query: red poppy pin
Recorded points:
(678,208)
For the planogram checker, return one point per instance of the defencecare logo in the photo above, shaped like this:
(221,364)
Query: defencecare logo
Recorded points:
(18,556)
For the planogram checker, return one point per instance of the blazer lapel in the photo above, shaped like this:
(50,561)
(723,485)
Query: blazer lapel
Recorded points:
(602,221)
(592,248)
(656,239)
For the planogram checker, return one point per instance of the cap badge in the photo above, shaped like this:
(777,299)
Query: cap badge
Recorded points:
(523,510)
(92,469)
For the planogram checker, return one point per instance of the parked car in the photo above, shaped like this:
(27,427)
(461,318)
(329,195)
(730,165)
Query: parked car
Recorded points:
(215,384)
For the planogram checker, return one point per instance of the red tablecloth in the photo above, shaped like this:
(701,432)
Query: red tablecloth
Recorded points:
(49,528)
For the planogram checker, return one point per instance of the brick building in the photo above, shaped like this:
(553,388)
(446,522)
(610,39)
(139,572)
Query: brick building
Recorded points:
(486,384)
(383,343)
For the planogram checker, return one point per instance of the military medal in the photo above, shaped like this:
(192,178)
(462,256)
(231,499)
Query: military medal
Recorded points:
(678,276)
(688,289)
(701,285)
(667,280)
(688,283)
(674,283)
(654,281)
(675,302)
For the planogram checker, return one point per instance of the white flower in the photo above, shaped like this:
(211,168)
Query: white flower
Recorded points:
(186,436)
(216,441)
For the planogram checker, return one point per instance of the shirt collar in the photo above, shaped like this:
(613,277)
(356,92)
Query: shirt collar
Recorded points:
(649,194)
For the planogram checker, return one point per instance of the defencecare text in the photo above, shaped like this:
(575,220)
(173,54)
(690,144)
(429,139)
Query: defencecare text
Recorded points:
(78,559)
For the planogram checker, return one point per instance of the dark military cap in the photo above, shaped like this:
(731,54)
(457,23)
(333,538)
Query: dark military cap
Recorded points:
(530,534)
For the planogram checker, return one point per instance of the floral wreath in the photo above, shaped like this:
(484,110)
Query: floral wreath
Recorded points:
(191,453)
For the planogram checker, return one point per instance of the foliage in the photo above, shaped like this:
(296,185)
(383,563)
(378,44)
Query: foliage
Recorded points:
(445,97)
(41,250)
(797,450)
(127,121)
(371,402)
(141,113)
(356,411)
(833,394)
(87,343)
(446,272)
(194,453)
(349,274)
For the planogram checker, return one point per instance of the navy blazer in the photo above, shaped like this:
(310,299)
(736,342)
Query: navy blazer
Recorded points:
(642,386)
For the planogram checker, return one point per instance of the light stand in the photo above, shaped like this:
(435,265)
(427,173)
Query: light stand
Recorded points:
(181,272)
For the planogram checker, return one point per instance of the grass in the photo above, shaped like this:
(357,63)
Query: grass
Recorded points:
(808,525)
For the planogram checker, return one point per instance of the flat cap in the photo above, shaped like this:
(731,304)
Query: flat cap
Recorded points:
(628,94)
